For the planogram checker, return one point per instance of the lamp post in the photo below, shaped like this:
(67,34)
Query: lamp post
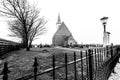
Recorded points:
(105,34)
(104,22)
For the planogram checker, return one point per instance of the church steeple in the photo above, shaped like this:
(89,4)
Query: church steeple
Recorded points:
(59,20)
(58,23)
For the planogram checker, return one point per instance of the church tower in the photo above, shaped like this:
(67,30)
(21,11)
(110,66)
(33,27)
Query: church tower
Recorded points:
(58,23)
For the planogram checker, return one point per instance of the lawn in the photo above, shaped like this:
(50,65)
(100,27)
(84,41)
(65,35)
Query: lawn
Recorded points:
(20,62)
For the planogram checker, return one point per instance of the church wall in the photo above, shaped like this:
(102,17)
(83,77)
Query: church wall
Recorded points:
(58,40)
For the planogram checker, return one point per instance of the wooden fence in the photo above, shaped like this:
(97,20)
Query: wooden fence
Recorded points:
(5,48)
(93,59)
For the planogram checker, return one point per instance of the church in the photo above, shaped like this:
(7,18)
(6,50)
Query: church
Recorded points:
(62,36)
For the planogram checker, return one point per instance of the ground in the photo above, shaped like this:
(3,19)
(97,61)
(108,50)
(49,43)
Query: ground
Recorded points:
(116,74)
(20,62)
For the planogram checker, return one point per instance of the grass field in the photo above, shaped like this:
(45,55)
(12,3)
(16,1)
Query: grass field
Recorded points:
(20,62)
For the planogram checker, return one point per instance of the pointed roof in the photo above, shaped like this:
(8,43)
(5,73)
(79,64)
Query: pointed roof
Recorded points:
(61,34)
(63,30)
(59,19)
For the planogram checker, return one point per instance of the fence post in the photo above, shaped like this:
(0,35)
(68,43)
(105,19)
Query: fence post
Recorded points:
(95,59)
(87,63)
(112,51)
(35,68)
(95,63)
(103,54)
(81,64)
(107,51)
(66,70)
(90,65)
(75,66)
(5,71)
(53,67)
(98,60)
(100,56)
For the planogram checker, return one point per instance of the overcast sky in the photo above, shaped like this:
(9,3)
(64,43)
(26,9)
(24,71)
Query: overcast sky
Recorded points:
(82,17)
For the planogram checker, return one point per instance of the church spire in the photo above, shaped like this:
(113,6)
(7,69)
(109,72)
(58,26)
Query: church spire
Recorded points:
(59,20)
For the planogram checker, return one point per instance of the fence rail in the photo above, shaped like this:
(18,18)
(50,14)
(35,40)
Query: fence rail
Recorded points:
(90,61)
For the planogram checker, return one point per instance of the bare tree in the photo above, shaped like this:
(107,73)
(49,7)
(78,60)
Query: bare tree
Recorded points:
(26,22)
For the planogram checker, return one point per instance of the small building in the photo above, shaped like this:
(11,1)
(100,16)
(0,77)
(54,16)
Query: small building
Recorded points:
(62,36)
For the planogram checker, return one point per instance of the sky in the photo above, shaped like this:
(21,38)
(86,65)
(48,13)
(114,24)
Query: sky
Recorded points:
(82,17)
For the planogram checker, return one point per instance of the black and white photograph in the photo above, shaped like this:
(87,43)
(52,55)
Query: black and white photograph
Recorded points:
(59,39)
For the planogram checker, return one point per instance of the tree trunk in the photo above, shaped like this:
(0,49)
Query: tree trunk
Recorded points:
(27,45)
(26,36)
(24,42)
(27,48)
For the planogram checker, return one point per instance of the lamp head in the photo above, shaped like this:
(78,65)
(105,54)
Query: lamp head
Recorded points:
(104,20)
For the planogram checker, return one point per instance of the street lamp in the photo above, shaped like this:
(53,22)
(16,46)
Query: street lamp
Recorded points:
(104,22)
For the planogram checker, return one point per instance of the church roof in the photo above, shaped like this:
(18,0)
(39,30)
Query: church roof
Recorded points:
(61,34)
(63,30)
